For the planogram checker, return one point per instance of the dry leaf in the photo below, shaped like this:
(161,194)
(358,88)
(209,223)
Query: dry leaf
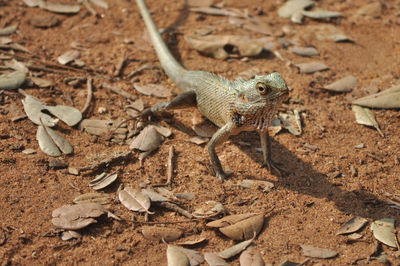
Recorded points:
(33,109)
(68,235)
(389,98)
(326,32)
(215,45)
(195,257)
(102,181)
(8,30)
(51,143)
(154,196)
(59,8)
(69,115)
(251,257)
(384,231)
(148,140)
(102,127)
(321,253)
(175,257)
(234,250)
(134,200)
(155,233)
(68,57)
(214,260)
(13,80)
(373,9)
(293,7)
(311,67)
(41,83)
(74,217)
(44,21)
(100,3)
(351,226)
(230,219)
(94,197)
(365,116)
(209,210)
(250,183)
(292,122)
(345,84)
(153,90)
(304,51)
(166,132)
(192,242)
(244,229)
(198,140)
(321,14)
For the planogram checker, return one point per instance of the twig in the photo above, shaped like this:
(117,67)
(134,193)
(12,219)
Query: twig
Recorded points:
(170,165)
(89,95)
(175,208)
(119,91)
(120,65)
(175,222)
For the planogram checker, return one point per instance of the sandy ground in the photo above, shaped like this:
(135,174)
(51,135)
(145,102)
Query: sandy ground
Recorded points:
(322,187)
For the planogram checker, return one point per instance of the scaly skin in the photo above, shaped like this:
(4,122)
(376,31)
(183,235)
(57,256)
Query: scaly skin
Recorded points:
(242,105)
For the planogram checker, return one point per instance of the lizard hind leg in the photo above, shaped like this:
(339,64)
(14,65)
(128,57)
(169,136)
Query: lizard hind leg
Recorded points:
(183,100)
(266,149)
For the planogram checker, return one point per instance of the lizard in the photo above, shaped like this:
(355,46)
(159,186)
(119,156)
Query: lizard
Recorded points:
(233,106)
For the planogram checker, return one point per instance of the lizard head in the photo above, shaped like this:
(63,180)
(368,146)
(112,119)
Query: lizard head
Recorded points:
(259,98)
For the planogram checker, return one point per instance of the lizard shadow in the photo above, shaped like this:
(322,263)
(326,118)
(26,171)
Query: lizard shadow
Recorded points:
(300,176)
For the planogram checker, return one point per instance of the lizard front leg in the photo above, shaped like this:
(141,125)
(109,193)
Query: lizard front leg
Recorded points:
(183,100)
(266,150)
(219,137)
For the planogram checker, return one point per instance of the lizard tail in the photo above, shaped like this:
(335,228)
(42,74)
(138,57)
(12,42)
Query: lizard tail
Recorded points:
(171,67)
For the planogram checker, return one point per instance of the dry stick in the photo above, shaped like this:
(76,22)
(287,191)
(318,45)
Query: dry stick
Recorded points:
(176,208)
(170,165)
(89,95)
(120,65)
(119,91)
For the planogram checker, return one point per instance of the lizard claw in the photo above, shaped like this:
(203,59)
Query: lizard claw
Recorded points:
(271,165)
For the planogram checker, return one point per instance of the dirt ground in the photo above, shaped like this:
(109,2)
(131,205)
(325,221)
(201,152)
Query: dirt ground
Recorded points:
(322,187)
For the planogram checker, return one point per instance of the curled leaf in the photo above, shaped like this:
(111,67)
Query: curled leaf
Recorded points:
(365,116)
(102,181)
(244,229)
(51,143)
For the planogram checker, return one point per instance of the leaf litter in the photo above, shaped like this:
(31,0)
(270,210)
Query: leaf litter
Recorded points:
(387,99)
(320,253)
(384,231)
(236,249)
(51,143)
(134,200)
(251,257)
(156,233)
(351,226)
(102,181)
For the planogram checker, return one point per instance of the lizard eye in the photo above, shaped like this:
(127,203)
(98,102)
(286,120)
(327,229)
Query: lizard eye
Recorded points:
(262,88)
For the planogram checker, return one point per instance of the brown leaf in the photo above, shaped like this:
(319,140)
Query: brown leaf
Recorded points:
(351,226)
(320,253)
(244,229)
(94,197)
(68,57)
(311,67)
(384,231)
(148,140)
(214,260)
(209,209)
(155,233)
(13,80)
(230,219)
(234,250)
(103,181)
(73,217)
(134,200)
(345,84)
(175,257)
(251,257)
